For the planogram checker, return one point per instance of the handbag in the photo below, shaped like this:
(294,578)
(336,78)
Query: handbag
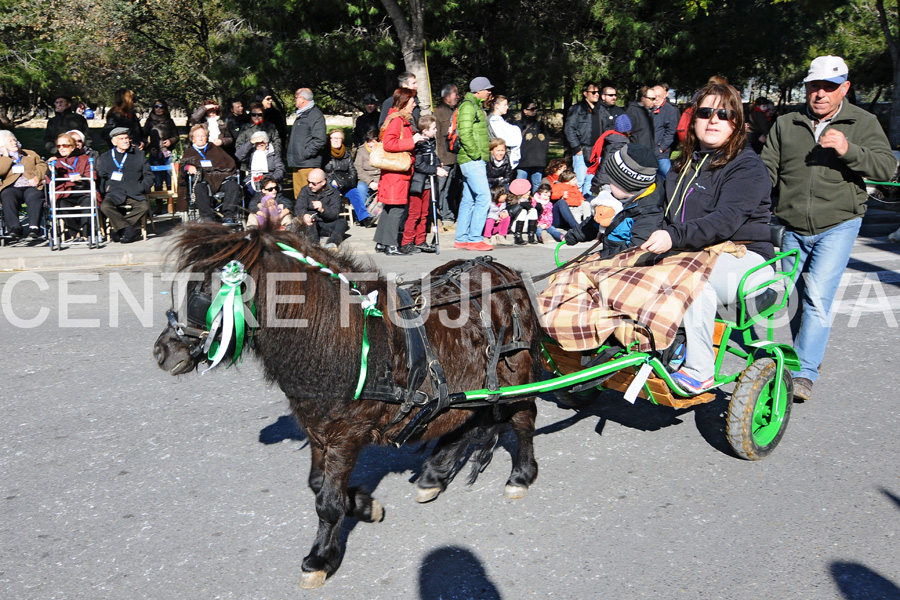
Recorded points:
(398,162)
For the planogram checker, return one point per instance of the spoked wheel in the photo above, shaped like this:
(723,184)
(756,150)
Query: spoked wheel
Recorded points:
(756,418)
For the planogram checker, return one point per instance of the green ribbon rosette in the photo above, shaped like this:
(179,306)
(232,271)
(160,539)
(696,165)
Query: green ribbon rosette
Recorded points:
(228,302)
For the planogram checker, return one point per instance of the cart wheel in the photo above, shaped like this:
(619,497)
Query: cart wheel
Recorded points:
(756,422)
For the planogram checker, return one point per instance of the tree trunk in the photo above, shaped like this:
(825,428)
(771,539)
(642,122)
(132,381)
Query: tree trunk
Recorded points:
(894,128)
(412,45)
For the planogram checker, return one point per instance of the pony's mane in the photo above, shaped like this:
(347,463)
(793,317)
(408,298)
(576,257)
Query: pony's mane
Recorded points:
(207,247)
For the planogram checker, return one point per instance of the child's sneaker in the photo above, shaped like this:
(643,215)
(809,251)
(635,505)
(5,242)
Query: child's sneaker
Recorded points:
(689,384)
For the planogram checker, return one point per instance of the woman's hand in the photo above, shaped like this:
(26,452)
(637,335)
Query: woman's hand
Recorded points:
(217,142)
(659,241)
(442,172)
(75,177)
(165,143)
(373,186)
(418,137)
(191,169)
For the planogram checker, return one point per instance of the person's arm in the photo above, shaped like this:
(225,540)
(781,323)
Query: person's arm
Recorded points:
(277,166)
(243,151)
(868,151)
(571,130)
(318,137)
(465,124)
(331,204)
(146,176)
(225,133)
(771,153)
(392,141)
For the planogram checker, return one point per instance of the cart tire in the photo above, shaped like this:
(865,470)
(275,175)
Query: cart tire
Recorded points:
(754,425)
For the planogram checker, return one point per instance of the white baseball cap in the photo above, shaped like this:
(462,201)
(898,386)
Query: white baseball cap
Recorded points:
(827,68)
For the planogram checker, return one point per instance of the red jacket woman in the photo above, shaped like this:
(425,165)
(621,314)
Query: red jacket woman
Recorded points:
(398,137)
(393,189)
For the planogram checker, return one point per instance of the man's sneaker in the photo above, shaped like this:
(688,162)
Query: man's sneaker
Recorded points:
(480,246)
(34,232)
(689,384)
(802,388)
(461,245)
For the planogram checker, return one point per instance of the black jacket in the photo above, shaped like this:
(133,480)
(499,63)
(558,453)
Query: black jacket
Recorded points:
(729,203)
(646,214)
(580,127)
(342,170)
(136,180)
(308,140)
(427,163)
(642,128)
(501,174)
(61,123)
(331,203)
(364,123)
(535,143)
(665,122)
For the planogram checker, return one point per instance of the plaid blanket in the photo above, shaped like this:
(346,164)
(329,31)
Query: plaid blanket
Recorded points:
(584,304)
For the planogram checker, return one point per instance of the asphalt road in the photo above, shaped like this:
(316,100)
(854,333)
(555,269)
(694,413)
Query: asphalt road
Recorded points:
(119,481)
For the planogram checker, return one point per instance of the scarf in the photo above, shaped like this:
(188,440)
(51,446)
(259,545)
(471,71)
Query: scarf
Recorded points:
(338,152)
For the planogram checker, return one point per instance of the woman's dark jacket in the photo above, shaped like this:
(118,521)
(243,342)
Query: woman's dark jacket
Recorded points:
(535,143)
(164,126)
(728,203)
(342,170)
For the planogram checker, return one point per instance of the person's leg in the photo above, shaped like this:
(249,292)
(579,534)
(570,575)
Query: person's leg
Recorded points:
(139,210)
(11,200)
(580,168)
(503,226)
(555,233)
(34,205)
(535,176)
(482,190)
(205,202)
(300,178)
(586,186)
(821,276)
(389,225)
(466,205)
(411,230)
(335,231)
(521,173)
(112,212)
(232,200)
(562,215)
(357,199)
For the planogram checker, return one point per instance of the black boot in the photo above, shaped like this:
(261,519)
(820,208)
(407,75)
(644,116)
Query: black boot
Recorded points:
(532,230)
(517,233)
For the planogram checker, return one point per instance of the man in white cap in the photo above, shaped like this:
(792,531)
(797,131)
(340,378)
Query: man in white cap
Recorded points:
(471,121)
(818,159)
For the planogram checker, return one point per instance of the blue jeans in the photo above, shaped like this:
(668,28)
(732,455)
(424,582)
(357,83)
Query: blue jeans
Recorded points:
(473,207)
(579,165)
(823,258)
(555,233)
(357,197)
(665,165)
(532,174)
(562,215)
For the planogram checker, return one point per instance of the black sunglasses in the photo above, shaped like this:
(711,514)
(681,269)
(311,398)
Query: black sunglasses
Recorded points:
(706,113)
(256,114)
(270,189)
(158,106)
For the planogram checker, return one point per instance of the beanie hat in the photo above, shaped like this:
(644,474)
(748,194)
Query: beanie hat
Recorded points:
(622,124)
(632,168)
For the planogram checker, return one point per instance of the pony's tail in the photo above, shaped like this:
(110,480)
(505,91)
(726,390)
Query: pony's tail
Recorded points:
(483,442)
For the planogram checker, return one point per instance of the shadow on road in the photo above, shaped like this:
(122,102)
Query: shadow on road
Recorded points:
(454,572)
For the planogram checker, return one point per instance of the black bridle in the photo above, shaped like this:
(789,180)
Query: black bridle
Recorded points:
(194,334)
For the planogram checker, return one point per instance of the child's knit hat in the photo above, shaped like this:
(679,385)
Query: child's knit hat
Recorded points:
(632,168)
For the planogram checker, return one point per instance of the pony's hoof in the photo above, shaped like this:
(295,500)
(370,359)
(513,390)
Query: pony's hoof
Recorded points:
(427,494)
(310,580)
(514,492)
(377,512)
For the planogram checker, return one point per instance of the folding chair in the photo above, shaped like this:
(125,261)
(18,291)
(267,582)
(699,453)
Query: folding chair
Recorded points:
(170,194)
(58,214)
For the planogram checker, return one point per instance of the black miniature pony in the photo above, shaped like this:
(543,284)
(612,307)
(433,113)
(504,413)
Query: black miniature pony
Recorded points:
(313,351)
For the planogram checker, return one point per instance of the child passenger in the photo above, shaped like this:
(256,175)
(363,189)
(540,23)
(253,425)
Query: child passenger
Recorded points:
(541,201)
(624,217)
(522,212)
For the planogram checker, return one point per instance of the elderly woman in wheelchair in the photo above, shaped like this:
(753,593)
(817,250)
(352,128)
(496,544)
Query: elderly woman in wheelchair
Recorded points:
(208,176)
